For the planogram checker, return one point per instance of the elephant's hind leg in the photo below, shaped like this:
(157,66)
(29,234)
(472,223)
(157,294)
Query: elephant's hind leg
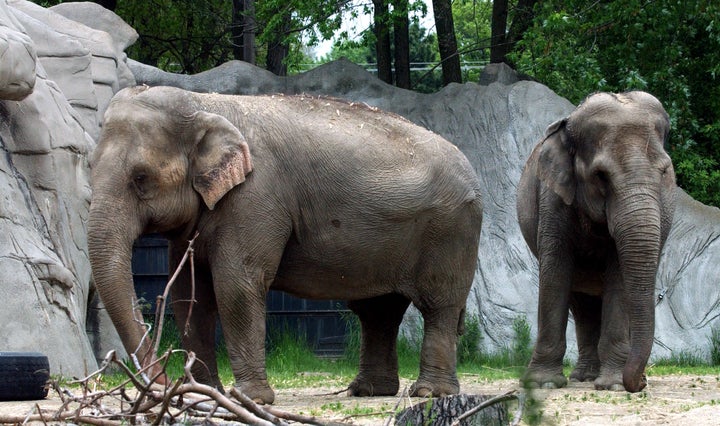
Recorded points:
(380,319)
(438,357)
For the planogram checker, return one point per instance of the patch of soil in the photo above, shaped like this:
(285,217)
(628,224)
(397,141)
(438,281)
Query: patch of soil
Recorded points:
(668,400)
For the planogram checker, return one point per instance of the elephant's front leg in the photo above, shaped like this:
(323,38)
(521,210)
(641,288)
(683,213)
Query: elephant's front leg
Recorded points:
(380,319)
(241,303)
(546,366)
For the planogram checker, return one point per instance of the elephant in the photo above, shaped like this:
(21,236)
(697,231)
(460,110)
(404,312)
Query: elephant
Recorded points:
(320,198)
(595,204)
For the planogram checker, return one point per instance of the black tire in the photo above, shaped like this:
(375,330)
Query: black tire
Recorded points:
(23,376)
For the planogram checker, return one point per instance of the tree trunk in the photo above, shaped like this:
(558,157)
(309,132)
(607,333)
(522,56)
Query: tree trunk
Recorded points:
(243,30)
(523,16)
(382,44)
(447,43)
(278,47)
(276,54)
(443,411)
(498,27)
(401,25)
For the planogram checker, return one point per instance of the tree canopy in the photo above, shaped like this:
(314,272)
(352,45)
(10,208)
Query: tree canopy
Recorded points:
(670,48)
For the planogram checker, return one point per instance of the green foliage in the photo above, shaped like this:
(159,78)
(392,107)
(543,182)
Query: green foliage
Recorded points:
(684,358)
(522,348)
(469,344)
(423,54)
(670,49)
(182,36)
(472,29)
(715,346)
(352,338)
(289,351)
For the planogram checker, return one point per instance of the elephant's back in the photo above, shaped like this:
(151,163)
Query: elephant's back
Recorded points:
(343,141)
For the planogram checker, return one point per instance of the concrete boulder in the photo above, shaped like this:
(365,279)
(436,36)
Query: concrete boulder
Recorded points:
(56,77)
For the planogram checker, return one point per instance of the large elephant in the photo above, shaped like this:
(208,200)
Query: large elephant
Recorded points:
(595,205)
(316,197)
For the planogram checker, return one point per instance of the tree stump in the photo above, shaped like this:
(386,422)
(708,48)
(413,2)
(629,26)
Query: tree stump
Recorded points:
(444,411)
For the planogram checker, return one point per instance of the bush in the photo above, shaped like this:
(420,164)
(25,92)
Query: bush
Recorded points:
(469,344)
(522,344)
(715,345)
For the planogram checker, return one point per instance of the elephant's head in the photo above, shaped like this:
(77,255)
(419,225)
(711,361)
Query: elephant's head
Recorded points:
(159,162)
(607,159)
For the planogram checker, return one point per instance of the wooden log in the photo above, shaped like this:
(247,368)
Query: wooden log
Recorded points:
(444,411)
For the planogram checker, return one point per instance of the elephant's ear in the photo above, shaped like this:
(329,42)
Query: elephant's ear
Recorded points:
(555,166)
(221,159)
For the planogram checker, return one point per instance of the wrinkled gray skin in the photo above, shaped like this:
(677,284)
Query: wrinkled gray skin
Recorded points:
(319,198)
(595,205)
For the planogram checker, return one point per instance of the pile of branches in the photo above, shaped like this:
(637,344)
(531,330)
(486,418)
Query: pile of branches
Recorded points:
(140,399)
(135,402)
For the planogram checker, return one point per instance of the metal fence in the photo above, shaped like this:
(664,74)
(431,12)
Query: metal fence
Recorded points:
(323,323)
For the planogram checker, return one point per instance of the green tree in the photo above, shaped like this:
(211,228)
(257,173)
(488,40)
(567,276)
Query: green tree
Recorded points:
(423,54)
(670,48)
(472,27)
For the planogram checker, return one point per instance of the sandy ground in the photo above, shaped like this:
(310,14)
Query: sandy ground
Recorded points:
(668,400)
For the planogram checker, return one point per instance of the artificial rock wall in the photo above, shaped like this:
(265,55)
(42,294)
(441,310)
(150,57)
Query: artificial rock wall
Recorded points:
(60,66)
(56,77)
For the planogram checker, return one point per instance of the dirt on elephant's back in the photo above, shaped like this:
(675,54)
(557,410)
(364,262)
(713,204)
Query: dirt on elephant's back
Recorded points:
(668,400)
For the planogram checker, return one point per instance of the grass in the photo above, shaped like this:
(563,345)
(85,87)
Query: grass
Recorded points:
(291,362)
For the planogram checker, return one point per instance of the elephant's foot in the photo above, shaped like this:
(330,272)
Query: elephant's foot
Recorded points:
(614,382)
(609,380)
(534,379)
(259,391)
(376,386)
(585,372)
(434,389)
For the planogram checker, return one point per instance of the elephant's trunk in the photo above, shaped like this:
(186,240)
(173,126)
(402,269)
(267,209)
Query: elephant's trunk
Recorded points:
(112,230)
(637,233)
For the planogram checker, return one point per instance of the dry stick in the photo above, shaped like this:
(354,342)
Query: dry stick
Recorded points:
(166,403)
(295,417)
(160,316)
(397,404)
(521,406)
(500,398)
(252,406)
(192,288)
(194,387)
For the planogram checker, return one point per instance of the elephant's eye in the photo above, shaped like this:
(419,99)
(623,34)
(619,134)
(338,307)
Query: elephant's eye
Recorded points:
(601,176)
(141,182)
(140,179)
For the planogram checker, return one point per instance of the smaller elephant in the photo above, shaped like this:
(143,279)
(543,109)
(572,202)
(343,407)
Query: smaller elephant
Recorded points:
(595,204)
(319,198)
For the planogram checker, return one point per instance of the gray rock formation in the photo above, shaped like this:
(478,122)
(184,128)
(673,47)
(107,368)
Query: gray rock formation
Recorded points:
(496,125)
(56,76)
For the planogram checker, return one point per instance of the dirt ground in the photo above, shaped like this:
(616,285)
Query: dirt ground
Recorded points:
(668,400)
